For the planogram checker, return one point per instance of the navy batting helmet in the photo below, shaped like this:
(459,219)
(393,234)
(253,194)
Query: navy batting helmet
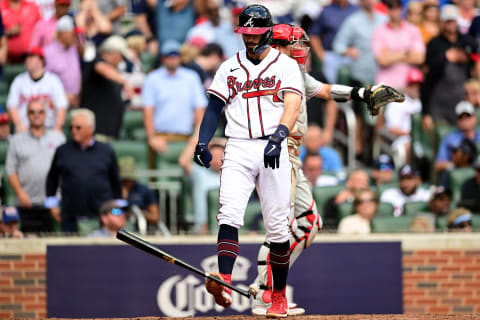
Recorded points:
(256,19)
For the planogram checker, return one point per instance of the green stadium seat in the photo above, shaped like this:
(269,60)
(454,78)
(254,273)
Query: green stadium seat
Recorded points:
(135,149)
(422,142)
(323,194)
(476,222)
(344,210)
(441,224)
(415,207)
(385,209)
(87,225)
(391,224)
(170,158)
(457,179)
(11,70)
(3,152)
(381,188)
(132,127)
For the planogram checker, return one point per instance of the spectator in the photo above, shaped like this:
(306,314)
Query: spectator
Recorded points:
(144,11)
(313,143)
(136,193)
(4,127)
(95,25)
(174,19)
(114,10)
(448,64)
(37,84)
(323,31)
(19,19)
(439,203)
(173,101)
(398,117)
(88,171)
(382,170)
(356,180)
(459,220)
(408,190)
(207,63)
(112,218)
(29,156)
(464,154)
(421,224)
(9,223)
(312,169)
(102,86)
(414,12)
(466,128)
(203,180)
(44,31)
(134,70)
(467,11)
(430,24)
(472,92)
(62,58)
(365,206)
(471,189)
(397,46)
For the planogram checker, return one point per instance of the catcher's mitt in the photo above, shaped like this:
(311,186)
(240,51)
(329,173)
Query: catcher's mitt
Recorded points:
(376,97)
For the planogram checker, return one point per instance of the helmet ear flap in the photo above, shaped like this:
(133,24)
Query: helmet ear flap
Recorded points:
(264,42)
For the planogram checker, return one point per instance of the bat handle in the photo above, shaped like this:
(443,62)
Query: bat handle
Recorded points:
(246,293)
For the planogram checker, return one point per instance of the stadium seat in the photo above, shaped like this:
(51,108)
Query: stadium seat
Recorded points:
(135,149)
(476,222)
(441,224)
(170,158)
(344,210)
(422,142)
(132,127)
(87,225)
(323,194)
(415,207)
(11,70)
(457,179)
(3,152)
(385,209)
(391,224)
(381,188)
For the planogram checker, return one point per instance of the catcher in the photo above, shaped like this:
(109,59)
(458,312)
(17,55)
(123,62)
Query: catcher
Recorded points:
(304,218)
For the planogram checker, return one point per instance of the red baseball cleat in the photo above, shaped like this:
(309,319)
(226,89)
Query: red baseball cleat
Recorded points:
(222,294)
(279,308)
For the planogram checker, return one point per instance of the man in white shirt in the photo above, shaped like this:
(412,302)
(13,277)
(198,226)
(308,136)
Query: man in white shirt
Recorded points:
(408,190)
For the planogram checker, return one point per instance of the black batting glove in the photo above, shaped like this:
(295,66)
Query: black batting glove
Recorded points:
(271,154)
(202,155)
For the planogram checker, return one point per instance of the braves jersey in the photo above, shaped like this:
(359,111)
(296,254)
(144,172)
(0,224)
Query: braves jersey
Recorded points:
(48,89)
(311,87)
(253,94)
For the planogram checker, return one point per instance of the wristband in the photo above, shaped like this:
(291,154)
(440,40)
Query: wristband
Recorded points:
(281,133)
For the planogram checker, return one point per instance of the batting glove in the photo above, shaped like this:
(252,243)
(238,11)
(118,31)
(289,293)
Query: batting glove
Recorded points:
(202,155)
(271,154)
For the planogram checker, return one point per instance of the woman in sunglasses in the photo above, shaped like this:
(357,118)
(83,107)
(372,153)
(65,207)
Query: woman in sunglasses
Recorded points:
(365,204)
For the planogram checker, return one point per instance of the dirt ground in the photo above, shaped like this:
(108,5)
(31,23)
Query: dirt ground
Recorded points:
(318,317)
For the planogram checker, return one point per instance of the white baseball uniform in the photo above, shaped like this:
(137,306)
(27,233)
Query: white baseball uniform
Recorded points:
(254,105)
(48,89)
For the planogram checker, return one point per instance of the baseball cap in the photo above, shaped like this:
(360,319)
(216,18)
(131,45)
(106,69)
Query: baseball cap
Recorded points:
(65,23)
(127,168)
(414,75)
(408,171)
(10,214)
(36,51)
(170,47)
(383,163)
(4,119)
(116,207)
(464,107)
(62,2)
(439,191)
(115,44)
(449,12)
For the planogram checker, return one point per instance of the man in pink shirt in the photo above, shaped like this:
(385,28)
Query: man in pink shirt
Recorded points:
(45,29)
(19,18)
(397,46)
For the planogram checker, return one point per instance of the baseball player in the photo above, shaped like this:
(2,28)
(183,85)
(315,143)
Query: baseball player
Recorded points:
(304,218)
(261,90)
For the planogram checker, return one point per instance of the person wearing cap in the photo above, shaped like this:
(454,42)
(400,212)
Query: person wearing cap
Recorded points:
(136,193)
(9,223)
(470,198)
(44,30)
(4,127)
(173,101)
(440,202)
(37,84)
(112,219)
(62,58)
(398,116)
(19,18)
(459,220)
(408,190)
(449,56)
(382,170)
(104,87)
(397,46)
(29,156)
(466,128)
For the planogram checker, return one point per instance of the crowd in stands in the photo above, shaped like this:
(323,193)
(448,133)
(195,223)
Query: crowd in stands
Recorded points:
(72,72)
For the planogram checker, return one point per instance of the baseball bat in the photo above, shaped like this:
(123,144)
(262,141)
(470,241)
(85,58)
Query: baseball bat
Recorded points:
(139,243)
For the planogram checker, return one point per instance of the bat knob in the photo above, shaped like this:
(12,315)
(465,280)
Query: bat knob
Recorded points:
(253,290)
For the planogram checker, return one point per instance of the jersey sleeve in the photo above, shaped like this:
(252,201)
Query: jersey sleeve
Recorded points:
(291,79)
(219,86)
(312,86)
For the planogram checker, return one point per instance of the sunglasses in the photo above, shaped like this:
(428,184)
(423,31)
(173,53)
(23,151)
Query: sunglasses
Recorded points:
(75,127)
(117,211)
(36,111)
(360,201)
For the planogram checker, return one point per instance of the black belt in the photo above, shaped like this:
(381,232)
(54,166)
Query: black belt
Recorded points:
(265,137)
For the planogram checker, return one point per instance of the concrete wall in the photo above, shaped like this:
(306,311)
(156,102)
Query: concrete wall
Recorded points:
(441,272)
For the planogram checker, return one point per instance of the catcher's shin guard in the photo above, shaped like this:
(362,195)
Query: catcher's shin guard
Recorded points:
(303,230)
(264,280)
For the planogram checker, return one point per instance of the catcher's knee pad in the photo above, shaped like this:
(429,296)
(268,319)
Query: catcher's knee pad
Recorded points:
(307,225)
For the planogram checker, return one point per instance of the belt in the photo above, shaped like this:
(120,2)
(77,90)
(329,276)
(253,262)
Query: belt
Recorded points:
(264,137)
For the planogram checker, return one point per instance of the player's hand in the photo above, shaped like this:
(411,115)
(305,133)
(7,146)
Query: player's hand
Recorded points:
(271,155)
(202,155)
